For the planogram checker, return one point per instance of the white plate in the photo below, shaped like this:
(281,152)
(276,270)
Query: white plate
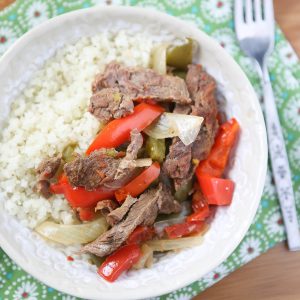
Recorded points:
(248,166)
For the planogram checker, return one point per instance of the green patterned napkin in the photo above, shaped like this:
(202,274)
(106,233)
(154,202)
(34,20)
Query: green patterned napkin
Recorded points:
(216,19)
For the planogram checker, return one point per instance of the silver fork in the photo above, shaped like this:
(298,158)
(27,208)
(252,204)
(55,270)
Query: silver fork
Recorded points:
(254,26)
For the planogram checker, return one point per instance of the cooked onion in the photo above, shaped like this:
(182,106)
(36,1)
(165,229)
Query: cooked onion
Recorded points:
(175,244)
(146,258)
(72,234)
(186,127)
(159,59)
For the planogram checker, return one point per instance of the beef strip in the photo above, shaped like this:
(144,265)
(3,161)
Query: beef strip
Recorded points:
(118,214)
(109,103)
(166,203)
(133,83)
(102,168)
(46,170)
(128,162)
(92,171)
(106,206)
(178,161)
(142,212)
(202,87)
(42,187)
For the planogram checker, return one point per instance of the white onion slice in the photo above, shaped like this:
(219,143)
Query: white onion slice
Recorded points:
(175,244)
(159,59)
(186,127)
(72,234)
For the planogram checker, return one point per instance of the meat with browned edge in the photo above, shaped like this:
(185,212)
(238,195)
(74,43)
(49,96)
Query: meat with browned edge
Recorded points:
(102,168)
(118,214)
(132,83)
(46,170)
(106,206)
(109,103)
(202,88)
(141,212)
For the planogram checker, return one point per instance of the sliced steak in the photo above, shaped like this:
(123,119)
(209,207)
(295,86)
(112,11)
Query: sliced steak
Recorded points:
(46,170)
(202,88)
(166,203)
(106,206)
(128,162)
(92,171)
(116,88)
(108,104)
(42,187)
(142,212)
(178,161)
(103,169)
(118,214)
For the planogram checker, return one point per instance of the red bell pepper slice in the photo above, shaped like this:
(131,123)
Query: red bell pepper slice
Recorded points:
(120,261)
(184,229)
(200,207)
(117,131)
(141,234)
(139,183)
(80,197)
(217,191)
(86,214)
(215,164)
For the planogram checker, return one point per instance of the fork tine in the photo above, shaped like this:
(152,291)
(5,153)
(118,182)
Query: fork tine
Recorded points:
(268,10)
(238,12)
(258,15)
(249,11)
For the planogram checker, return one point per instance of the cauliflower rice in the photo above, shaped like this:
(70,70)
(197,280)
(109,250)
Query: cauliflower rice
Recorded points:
(52,112)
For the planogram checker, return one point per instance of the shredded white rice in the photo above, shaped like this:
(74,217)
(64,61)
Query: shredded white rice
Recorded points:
(52,112)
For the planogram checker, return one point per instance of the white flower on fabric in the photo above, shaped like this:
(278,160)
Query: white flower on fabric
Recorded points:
(214,276)
(294,154)
(68,297)
(180,4)
(292,112)
(287,80)
(274,224)
(194,19)
(225,37)
(27,290)
(185,293)
(217,11)
(37,13)
(7,37)
(249,249)
(154,4)
(287,54)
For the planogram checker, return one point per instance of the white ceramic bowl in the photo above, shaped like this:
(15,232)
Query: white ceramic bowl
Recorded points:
(248,167)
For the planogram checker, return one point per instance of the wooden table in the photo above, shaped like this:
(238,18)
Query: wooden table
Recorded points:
(274,275)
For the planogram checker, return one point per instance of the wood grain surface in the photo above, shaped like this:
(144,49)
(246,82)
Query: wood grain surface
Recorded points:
(274,275)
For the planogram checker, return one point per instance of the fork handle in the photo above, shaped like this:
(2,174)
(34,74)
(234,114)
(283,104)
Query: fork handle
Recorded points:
(280,166)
